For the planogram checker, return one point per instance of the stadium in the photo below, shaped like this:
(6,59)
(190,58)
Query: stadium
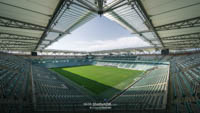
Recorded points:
(163,77)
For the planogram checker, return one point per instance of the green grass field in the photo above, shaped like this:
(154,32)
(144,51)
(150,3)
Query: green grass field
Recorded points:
(101,80)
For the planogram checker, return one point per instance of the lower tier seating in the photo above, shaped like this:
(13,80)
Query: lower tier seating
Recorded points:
(150,92)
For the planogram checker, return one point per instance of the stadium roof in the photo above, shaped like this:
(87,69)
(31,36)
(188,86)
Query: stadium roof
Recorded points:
(35,24)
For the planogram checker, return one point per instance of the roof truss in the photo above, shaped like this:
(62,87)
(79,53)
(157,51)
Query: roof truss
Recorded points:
(134,15)
(183,37)
(8,22)
(193,22)
(140,6)
(16,36)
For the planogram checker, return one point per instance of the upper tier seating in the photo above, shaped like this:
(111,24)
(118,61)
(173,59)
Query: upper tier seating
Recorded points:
(57,62)
(131,65)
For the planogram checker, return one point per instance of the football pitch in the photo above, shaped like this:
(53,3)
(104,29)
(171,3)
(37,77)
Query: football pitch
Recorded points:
(101,80)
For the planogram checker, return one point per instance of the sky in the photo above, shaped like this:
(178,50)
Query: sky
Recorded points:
(98,34)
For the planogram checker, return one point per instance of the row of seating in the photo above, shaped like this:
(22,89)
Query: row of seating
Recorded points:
(146,90)
(137,58)
(142,102)
(188,61)
(132,58)
(186,107)
(25,87)
(185,79)
(150,92)
(50,88)
(125,65)
(14,83)
(154,77)
(60,62)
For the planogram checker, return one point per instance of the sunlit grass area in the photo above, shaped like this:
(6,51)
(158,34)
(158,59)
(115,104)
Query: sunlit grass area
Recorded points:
(100,79)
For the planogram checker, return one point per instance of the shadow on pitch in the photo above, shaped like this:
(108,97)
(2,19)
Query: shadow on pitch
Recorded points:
(97,88)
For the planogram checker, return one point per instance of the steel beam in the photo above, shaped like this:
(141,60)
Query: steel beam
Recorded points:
(82,6)
(182,42)
(12,23)
(100,4)
(191,44)
(16,36)
(18,49)
(85,5)
(187,41)
(71,27)
(31,47)
(140,6)
(27,44)
(114,5)
(5,46)
(183,37)
(20,41)
(147,31)
(193,22)
(8,22)
(129,26)
(57,11)
(182,46)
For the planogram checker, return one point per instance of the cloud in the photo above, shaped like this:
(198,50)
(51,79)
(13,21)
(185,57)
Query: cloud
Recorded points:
(124,42)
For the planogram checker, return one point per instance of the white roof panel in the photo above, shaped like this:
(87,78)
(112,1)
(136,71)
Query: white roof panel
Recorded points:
(175,18)
(177,15)
(24,32)
(24,21)
(49,20)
